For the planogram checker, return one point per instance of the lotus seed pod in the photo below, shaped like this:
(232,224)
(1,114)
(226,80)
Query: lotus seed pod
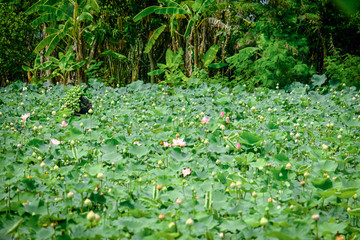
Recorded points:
(159,187)
(42,164)
(81,125)
(161,216)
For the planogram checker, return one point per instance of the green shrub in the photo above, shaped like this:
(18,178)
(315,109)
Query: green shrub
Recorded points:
(270,63)
(344,68)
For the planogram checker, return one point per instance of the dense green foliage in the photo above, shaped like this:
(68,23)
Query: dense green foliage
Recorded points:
(266,42)
(16,42)
(153,162)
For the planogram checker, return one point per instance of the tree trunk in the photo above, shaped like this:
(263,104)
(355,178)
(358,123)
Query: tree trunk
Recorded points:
(196,46)
(203,40)
(135,71)
(152,66)
(187,56)
(43,58)
(92,52)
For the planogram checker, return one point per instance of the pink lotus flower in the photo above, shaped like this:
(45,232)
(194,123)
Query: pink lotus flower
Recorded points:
(25,116)
(238,146)
(54,141)
(227,119)
(63,124)
(222,114)
(179,142)
(137,143)
(166,144)
(205,120)
(186,172)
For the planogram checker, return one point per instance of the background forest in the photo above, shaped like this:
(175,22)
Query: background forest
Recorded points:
(257,42)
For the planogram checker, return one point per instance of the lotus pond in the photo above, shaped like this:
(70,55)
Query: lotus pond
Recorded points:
(154,162)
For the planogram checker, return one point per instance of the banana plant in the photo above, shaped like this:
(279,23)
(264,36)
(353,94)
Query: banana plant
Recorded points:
(210,55)
(38,66)
(64,64)
(193,11)
(64,20)
(172,69)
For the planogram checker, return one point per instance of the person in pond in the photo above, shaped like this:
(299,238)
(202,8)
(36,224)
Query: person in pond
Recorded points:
(85,105)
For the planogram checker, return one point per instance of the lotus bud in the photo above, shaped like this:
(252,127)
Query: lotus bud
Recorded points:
(238,184)
(70,195)
(100,176)
(90,216)
(96,217)
(189,222)
(325,147)
(87,202)
(263,221)
(315,217)
(254,194)
(288,166)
